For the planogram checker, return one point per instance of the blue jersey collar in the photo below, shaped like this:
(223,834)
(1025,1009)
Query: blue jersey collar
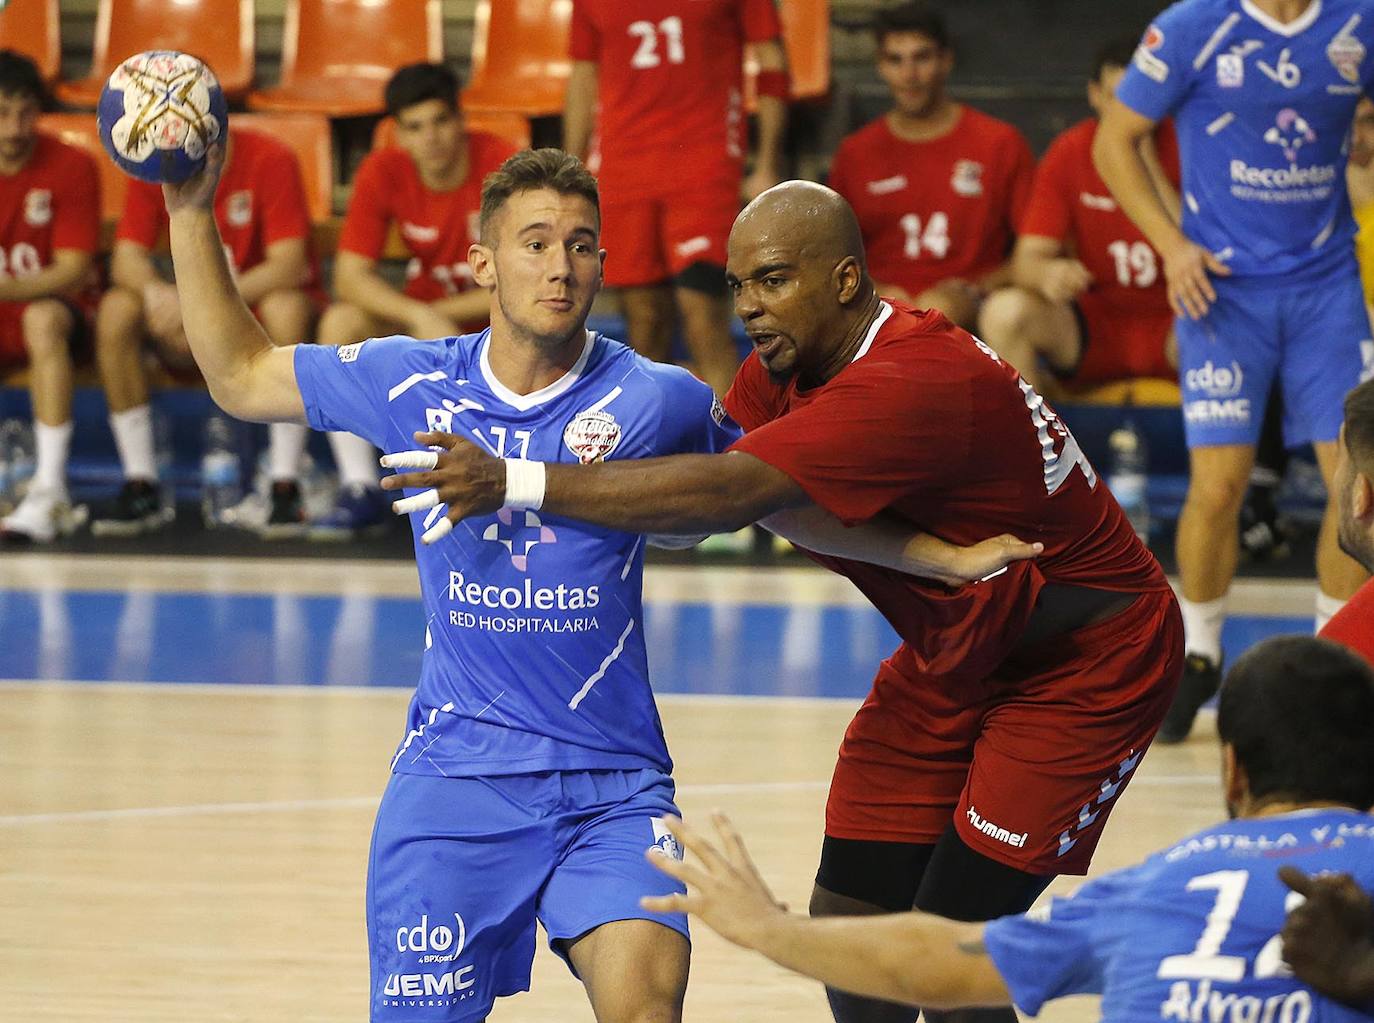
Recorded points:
(525,402)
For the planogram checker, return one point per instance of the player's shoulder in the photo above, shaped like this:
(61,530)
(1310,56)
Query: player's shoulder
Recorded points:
(653,380)
(408,357)
(52,155)
(389,163)
(873,135)
(993,133)
(1179,24)
(488,151)
(1074,140)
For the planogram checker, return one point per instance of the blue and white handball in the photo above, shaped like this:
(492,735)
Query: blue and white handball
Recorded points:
(158,114)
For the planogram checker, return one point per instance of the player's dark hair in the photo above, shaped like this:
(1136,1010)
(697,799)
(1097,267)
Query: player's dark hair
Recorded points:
(911,17)
(1359,425)
(19,76)
(1115,53)
(418,83)
(533,169)
(1299,712)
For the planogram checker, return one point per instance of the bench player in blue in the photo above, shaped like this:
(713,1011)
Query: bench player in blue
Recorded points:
(1261,273)
(1191,935)
(533,772)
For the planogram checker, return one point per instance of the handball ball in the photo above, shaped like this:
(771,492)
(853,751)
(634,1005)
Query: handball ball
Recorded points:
(158,114)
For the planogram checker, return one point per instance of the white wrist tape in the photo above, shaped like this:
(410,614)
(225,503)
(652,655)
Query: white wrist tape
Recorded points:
(524,483)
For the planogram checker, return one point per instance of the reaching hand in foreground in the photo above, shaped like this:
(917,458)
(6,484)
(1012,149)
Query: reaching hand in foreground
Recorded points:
(1329,939)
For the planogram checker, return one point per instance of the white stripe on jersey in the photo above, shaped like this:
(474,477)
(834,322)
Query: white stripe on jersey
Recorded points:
(1220,123)
(610,659)
(411,381)
(1223,30)
(606,400)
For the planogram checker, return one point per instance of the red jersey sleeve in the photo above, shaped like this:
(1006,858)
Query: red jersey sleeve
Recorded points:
(870,438)
(1048,214)
(749,401)
(584,42)
(284,212)
(366,222)
(1022,176)
(144,215)
(76,207)
(760,20)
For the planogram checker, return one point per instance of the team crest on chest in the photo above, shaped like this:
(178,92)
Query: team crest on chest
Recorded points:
(239,209)
(1347,53)
(591,436)
(968,178)
(38,207)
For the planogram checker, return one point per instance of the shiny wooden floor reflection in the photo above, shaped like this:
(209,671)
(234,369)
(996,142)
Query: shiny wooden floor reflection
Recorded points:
(197,852)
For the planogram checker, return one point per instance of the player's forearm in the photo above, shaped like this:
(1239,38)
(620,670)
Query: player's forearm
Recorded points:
(288,272)
(1164,188)
(681,495)
(132,268)
(772,131)
(1117,157)
(579,109)
(466,307)
(63,276)
(912,958)
(879,541)
(363,287)
(224,337)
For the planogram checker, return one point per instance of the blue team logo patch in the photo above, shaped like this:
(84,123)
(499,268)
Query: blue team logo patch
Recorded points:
(349,353)
(1346,54)
(1150,65)
(664,841)
(519,531)
(1290,132)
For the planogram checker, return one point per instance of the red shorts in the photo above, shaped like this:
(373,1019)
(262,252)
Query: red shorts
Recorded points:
(13,351)
(1028,762)
(650,241)
(1121,344)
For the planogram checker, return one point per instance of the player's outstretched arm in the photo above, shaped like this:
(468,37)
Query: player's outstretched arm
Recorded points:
(1329,939)
(247,375)
(681,495)
(892,543)
(914,958)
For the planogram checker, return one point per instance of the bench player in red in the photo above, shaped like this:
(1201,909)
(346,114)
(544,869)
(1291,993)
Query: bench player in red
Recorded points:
(1088,300)
(937,186)
(997,737)
(428,188)
(667,77)
(49,230)
(265,222)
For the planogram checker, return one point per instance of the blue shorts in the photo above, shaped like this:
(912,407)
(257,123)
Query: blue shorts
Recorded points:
(1312,337)
(461,868)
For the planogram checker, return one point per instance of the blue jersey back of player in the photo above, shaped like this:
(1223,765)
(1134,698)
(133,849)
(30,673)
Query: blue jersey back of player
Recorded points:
(1191,935)
(534,632)
(1263,113)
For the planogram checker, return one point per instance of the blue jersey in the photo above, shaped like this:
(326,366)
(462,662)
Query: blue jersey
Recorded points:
(534,641)
(1190,935)
(1263,112)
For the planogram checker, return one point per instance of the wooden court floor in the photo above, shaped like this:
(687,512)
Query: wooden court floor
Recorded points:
(197,852)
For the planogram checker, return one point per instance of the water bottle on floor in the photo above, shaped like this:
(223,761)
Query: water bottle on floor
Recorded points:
(1129,477)
(221,486)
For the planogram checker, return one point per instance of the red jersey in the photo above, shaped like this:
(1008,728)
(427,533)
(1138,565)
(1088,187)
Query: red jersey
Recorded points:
(1353,625)
(437,228)
(52,203)
(927,424)
(670,81)
(942,208)
(260,201)
(1071,204)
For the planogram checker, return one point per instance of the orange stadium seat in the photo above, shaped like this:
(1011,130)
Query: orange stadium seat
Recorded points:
(309,138)
(511,127)
(31,27)
(519,57)
(220,32)
(80,130)
(338,54)
(806,38)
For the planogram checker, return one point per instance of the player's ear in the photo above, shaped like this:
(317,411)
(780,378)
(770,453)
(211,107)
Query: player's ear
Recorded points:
(1235,786)
(482,261)
(1362,504)
(847,279)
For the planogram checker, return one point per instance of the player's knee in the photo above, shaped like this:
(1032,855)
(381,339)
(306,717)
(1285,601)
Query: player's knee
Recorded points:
(343,323)
(824,902)
(1009,316)
(47,326)
(1217,493)
(118,321)
(285,315)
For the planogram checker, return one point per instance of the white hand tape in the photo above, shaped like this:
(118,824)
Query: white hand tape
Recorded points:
(438,531)
(421,501)
(411,460)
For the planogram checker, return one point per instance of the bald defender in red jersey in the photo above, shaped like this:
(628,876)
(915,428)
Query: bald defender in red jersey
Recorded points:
(663,80)
(937,186)
(1087,302)
(997,738)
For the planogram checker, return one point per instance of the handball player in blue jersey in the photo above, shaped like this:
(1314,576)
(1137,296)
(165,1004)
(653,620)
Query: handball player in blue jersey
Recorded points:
(1191,935)
(533,773)
(1261,273)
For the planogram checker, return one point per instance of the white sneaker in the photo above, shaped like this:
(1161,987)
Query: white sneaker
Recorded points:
(43,516)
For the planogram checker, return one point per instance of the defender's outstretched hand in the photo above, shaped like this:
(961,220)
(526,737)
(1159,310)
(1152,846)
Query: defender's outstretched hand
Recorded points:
(1329,939)
(460,475)
(197,191)
(724,887)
